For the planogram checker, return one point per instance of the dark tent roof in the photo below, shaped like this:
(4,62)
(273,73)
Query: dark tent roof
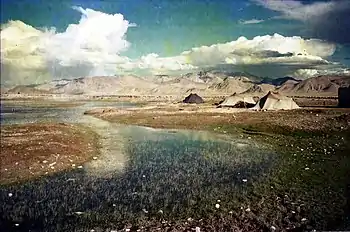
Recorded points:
(193,98)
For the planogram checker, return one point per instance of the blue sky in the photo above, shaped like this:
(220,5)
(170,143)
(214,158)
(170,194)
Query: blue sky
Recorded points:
(167,28)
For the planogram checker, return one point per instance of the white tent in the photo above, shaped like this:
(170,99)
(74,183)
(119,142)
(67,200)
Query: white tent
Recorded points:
(237,100)
(275,101)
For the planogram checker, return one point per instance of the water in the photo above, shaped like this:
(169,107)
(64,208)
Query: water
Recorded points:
(141,172)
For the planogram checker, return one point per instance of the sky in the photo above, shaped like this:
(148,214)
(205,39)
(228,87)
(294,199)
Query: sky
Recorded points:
(44,40)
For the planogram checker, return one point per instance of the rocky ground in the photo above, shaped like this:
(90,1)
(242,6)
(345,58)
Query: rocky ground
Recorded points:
(33,150)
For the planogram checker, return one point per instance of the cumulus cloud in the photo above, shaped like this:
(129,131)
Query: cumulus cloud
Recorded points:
(262,49)
(324,20)
(90,47)
(251,21)
(94,45)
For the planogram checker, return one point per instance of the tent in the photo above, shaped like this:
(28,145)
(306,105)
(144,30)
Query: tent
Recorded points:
(275,101)
(238,100)
(193,98)
(344,97)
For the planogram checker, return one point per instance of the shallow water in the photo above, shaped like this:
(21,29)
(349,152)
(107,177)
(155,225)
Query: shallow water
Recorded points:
(141,171)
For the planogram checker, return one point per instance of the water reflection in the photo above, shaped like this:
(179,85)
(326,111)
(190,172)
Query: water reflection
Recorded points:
(140,172)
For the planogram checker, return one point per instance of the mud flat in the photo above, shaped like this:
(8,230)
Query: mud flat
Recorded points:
(32,150)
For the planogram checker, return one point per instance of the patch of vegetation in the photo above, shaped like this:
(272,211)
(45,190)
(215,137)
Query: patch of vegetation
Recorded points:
(310,187)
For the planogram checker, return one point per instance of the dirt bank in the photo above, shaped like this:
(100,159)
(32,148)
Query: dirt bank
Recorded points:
(33,150)
(206,116)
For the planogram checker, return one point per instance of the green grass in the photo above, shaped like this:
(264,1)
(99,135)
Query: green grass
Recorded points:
(311,181)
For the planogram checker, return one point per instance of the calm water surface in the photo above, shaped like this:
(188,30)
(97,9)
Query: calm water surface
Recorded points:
(140,172)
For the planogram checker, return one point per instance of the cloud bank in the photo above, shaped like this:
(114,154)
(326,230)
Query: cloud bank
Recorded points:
(325,20)
(95,44)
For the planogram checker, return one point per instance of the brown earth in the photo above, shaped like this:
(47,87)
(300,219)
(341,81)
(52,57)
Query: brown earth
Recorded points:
(205,117)
(33,150)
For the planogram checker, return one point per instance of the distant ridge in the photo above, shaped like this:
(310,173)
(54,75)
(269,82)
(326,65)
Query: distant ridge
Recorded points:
(204,83)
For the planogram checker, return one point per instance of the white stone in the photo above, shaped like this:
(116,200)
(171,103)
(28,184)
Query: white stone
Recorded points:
(217,206)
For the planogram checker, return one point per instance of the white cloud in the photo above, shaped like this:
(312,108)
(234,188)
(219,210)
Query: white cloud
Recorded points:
(93,47)
(328,20)
(251,21)
(293,9)
(243,51)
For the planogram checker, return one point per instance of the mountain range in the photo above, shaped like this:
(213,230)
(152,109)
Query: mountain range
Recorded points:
(204,82)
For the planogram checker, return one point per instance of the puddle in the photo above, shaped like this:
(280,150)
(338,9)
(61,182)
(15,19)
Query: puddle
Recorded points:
(141,171)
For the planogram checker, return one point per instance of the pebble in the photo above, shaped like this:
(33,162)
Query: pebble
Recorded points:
(45,161)
(127,229)
(73,165)
(16,224)
(273,228)
(10,194)
(94,158)
(247,210)
(143,176)
(80,166)
(303,219)
(198,229)
(217,206)
(52,164)
(307,168)
(219,200)
(244,180)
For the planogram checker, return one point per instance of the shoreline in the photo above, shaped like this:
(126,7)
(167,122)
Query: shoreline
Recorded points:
(29,151)
(306,190)
(310,143)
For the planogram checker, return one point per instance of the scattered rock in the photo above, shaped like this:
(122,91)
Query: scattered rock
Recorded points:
(217,206)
